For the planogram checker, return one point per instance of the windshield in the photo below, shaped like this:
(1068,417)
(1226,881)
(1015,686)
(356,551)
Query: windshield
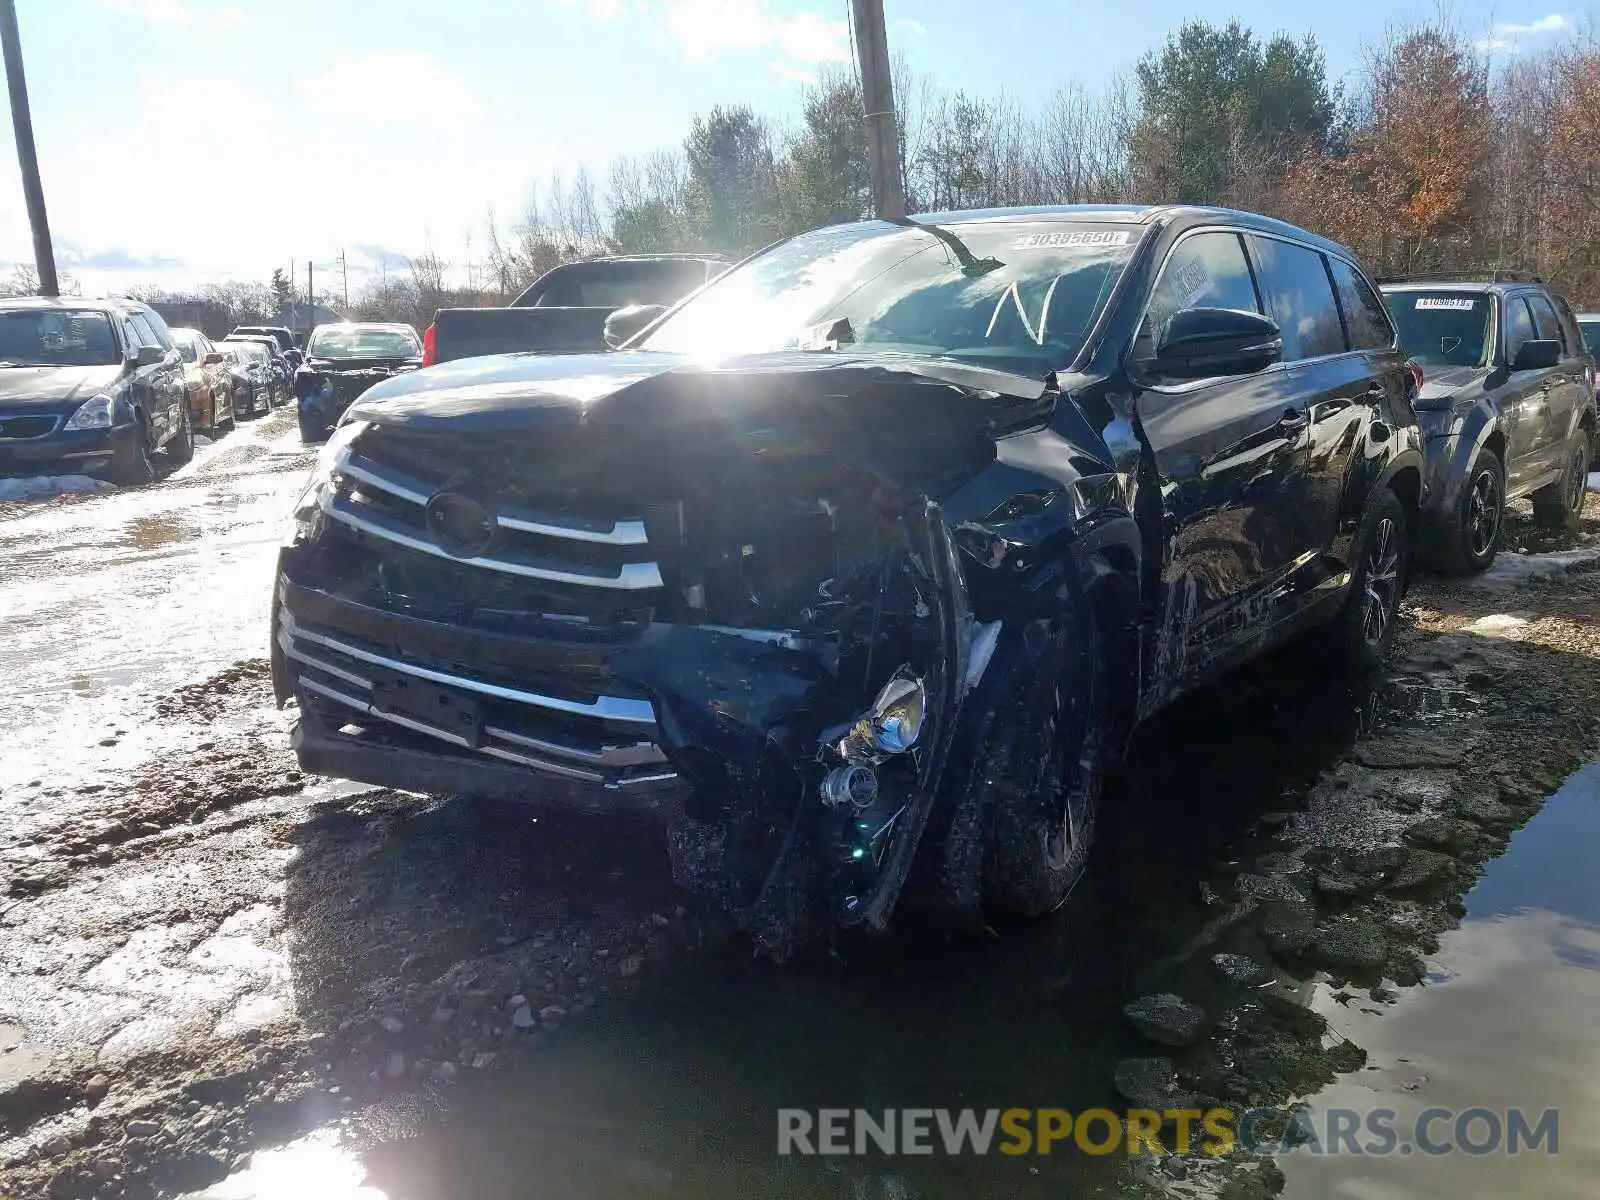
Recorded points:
(1442,329)
(247,352)
(1591,335)
(56,337)
(1016,296)
(331,341)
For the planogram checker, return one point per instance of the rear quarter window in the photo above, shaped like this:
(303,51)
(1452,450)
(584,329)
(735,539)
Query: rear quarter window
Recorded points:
(1365,319)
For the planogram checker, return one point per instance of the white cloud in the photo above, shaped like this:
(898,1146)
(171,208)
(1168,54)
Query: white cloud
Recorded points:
(178,12)
(605,9)
(709,28)
(1502,39)
(788,70)
(908,25)
(411,89)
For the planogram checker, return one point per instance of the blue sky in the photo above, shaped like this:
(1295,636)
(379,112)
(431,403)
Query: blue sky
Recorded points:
(192,140)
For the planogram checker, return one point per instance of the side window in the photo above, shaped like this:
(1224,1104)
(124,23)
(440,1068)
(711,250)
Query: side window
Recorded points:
(147,336)
(1544,320)
(1301,300)
(186,351)
(158,326)
(1519,326)
(132,334)
(1204,270)
(1365,320)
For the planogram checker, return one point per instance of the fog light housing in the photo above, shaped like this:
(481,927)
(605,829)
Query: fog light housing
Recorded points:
(891,726)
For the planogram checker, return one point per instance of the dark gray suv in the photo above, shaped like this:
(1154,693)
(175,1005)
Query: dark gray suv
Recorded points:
(1506,407)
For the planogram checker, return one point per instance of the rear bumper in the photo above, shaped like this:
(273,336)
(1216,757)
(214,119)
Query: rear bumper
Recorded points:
(69,453)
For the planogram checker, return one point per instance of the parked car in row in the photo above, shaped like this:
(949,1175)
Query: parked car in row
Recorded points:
(1506,408)
(207,381)
(344,359)
(863,562)
(250,376)
(278,373)
(92,386)
(287,345)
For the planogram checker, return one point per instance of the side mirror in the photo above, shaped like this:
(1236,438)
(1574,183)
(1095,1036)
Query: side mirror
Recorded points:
(213,357)
(149,356)
(625,322)
(1201,343)
(1537,354)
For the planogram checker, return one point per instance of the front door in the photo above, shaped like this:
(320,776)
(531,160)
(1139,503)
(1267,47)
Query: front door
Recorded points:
(1227,455)
(1525,402)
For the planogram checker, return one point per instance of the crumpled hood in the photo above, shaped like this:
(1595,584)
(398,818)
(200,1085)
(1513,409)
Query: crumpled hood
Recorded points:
(359,366)
(53,389)
(511,392)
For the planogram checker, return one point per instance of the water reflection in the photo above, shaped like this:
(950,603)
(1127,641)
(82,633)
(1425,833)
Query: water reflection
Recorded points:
(1507,1018)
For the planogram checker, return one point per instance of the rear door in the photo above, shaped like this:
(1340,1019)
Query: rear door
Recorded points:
(1568,384)
(1524,400)
(1228,453)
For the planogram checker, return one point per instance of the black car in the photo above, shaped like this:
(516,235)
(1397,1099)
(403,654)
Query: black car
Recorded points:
(1506,407)
(279,374)
(1589,326)
(250,373)
(89,386)
(343,360)
(860,566)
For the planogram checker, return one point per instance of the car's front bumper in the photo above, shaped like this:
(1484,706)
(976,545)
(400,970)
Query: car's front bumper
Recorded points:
(70,452)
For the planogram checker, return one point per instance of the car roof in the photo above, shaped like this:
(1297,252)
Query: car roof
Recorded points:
(108,304)
(1132,214)
(397,325)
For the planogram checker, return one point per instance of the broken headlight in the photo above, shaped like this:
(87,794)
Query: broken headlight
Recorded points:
(308,509)
(891,726)
(98,412)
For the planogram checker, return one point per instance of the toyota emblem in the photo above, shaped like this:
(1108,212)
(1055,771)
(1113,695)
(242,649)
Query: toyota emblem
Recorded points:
(460,524)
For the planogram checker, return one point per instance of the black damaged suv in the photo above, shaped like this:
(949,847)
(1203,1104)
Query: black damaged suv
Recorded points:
(857,568)
(1506,407)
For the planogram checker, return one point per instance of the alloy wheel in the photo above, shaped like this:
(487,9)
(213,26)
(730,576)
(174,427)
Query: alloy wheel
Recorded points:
(1484,511)
(1577,477)
(1381,582)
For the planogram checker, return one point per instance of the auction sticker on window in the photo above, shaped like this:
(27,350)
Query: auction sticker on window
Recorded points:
(1457,303)
(1077,237)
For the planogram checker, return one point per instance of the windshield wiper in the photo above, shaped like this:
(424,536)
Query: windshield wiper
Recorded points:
(971,266)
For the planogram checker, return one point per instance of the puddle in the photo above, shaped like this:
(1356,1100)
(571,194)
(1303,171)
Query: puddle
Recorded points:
(1507,1017)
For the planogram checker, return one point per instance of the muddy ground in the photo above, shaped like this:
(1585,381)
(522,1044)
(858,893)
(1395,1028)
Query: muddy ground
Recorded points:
(205,955)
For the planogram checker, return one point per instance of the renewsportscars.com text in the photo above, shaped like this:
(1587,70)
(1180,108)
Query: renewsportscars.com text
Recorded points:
(1217,1131)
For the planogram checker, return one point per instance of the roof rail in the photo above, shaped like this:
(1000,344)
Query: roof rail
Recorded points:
(1463,277)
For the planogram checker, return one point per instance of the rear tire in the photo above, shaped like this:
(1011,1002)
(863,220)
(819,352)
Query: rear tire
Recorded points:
(1364,629)
(1560,504)
(1474,537)
(1041,763)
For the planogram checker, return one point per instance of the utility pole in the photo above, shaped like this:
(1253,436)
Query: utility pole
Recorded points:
(344,275)
(311,296)
(877,94)
(27,156)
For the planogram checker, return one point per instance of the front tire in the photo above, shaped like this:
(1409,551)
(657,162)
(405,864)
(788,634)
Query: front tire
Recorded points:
(1560,504)
(180,446)
(1364,628)
(1474,539)
(1041,763)
(130,464)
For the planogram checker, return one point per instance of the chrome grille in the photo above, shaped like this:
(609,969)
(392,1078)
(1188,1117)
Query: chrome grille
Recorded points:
(606,740)
(382,501)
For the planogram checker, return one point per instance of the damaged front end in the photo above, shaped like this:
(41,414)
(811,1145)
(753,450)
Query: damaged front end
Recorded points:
(757,631)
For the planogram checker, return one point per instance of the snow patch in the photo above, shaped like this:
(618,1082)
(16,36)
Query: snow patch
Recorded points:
(1498,625)
(1594,481)
(35,487)
(1511,568)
